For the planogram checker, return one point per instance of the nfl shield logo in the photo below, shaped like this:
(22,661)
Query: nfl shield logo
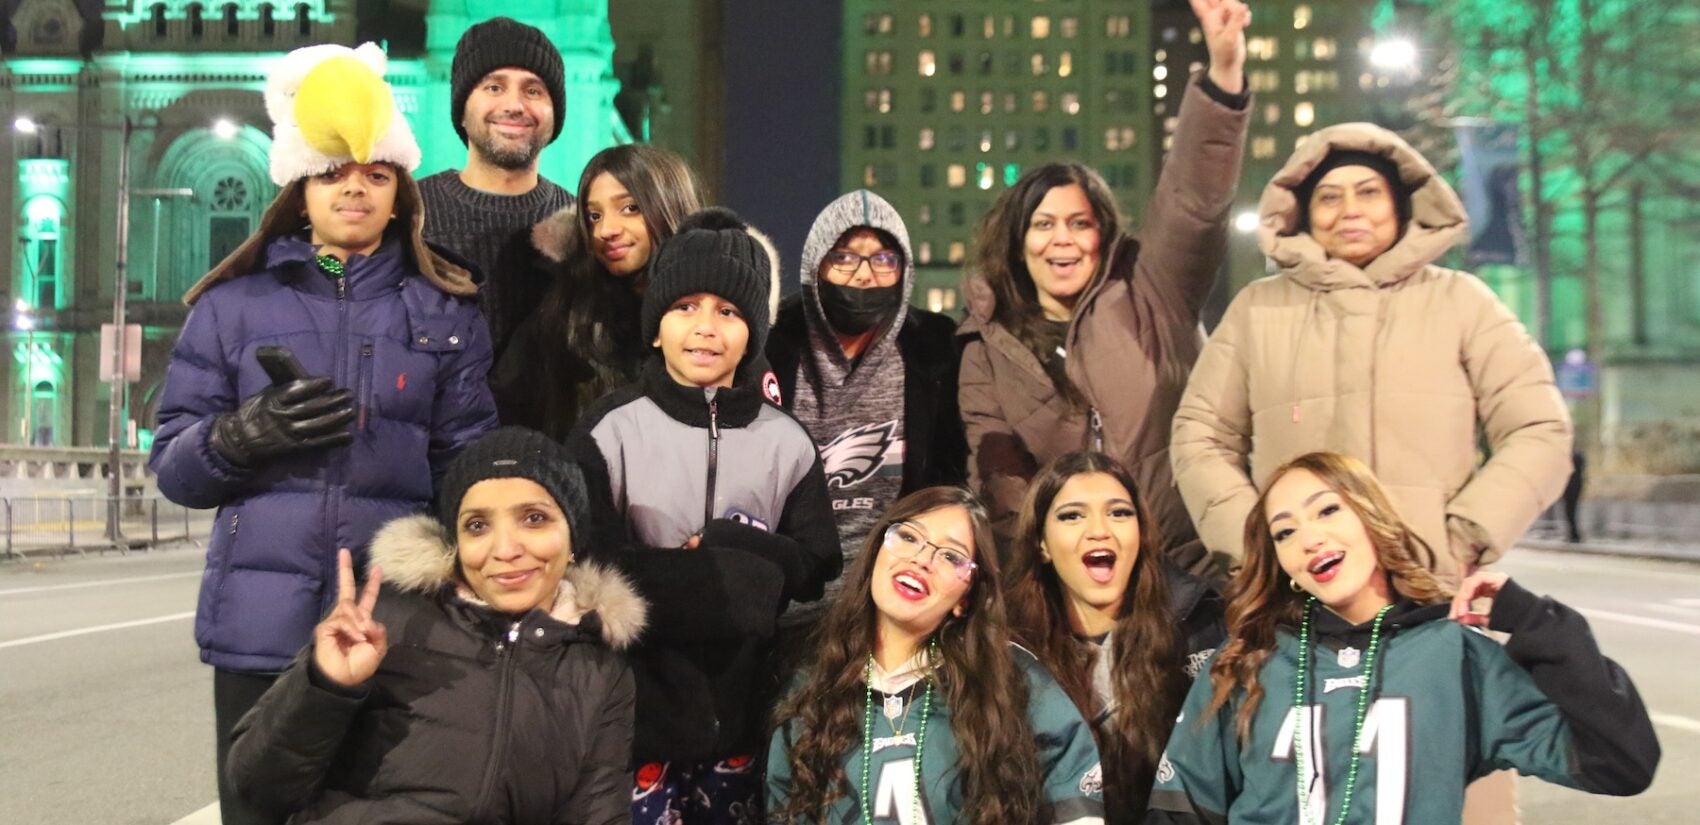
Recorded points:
(1349,656)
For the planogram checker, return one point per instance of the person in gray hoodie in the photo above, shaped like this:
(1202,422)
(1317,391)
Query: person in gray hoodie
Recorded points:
(871,378)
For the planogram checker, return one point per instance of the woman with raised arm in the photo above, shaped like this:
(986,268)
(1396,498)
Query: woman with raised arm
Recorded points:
(1081,332)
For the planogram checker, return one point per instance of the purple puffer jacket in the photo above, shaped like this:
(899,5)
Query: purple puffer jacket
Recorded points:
(416,360)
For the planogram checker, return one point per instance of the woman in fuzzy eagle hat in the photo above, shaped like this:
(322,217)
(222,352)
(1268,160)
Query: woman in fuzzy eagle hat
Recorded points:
(327,372)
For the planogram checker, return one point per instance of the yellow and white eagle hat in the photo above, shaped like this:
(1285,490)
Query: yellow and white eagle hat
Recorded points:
(329,105)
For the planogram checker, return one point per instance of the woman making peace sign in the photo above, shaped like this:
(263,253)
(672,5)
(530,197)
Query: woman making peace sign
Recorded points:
(480,683)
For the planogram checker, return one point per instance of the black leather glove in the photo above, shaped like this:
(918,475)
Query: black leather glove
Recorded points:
(305,414)
(782,551)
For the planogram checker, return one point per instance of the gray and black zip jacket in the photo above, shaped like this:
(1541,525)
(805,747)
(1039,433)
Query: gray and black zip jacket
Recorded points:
(666,462)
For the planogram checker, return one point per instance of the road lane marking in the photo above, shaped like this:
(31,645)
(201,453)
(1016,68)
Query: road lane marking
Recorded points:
(1674,610)
(1610,565)
(101,583)
(84,631)
(205,816)
(1671,720)
(1643,621)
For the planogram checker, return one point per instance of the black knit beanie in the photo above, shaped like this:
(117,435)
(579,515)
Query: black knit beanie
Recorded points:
(712,251)
(515,452)
(1336,158)
(497,43)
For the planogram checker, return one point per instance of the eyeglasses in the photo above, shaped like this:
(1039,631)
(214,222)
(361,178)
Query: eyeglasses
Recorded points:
(908,540)
(884,261)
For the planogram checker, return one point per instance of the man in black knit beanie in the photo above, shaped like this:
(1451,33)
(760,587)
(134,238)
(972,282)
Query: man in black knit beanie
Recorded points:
(508,102)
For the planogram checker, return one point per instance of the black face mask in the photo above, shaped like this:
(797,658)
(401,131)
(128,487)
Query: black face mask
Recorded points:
(854,311)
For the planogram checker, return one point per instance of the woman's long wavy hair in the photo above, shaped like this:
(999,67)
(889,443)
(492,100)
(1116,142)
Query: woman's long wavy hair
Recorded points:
(1147,678)
(983,686)
(1261,598)
(1000,257)
(594,311)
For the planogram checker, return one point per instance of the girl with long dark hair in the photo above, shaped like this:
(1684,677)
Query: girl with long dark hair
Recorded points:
(584,341)
(1080,333)
(915,706)
(1121,628)
(1344,693)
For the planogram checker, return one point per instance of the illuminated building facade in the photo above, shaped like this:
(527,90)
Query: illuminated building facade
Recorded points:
(188,76)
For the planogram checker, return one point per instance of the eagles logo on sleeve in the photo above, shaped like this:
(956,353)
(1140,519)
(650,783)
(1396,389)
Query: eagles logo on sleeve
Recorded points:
(856,454)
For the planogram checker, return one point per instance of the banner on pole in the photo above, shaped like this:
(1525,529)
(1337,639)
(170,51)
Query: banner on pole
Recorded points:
(132,352)
(1489,166)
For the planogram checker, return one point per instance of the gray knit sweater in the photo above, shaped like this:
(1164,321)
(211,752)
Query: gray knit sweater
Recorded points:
(493,233)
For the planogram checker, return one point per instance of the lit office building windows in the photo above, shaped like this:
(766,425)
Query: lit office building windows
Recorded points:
(1301,16)
(924,26)
(926,138)
(986,141)
(1271,114)
(1039,65)
(926,252)
(1041,101)
(958,100)
(988,100)
(1262,48)
(1160,72)
(958,251)
(1263,147)
(1068,28)
(1324,48)
(956,176)
(925,213)
(1071,103)
(1304,114)
(1065,64)
(1011,140)
(1160,91)
(984,172)
(1041,27)
(928,63)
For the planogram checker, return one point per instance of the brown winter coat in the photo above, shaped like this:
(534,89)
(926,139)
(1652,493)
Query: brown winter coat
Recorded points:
(1394,364)
(1133,339)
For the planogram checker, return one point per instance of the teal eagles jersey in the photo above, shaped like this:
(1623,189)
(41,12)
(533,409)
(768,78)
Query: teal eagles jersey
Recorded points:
(1072,793)
(1448,705)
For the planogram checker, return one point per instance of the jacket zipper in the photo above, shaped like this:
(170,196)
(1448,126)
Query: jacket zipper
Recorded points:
(332,475)
(506,652)
(1096,430)
(713,458)
(365,385)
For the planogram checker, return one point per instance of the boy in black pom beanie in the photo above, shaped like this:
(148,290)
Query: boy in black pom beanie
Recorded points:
(716,502)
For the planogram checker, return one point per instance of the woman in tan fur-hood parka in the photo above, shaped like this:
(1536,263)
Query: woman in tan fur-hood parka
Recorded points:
(1361,345)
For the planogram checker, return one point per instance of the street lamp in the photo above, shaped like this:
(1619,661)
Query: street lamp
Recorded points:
(1394,54)
(225,129)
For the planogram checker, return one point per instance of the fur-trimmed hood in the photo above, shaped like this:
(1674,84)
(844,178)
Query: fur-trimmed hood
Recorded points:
(417,556)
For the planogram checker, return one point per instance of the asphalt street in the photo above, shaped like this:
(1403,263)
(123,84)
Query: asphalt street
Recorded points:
(107,710)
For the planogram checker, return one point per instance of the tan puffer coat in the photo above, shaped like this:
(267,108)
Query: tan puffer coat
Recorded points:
(1403,364)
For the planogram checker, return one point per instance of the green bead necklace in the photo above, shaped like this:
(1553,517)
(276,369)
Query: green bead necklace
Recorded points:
(868,737)
(1299,698)
(330,265)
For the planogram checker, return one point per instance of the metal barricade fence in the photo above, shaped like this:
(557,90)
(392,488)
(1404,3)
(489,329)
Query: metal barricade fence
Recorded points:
(77,523)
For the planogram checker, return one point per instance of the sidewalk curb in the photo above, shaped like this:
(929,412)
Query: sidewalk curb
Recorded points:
(1641,550)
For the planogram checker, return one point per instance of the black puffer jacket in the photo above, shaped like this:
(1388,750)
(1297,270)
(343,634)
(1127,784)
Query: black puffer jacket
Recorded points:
(474,716)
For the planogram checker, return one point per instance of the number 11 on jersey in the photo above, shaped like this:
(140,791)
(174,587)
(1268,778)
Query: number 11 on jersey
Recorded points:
(1386,739)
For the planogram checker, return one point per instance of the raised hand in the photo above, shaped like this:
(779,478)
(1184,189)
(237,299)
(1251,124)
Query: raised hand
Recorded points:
(1224,23)
(1482,584)
(349,643)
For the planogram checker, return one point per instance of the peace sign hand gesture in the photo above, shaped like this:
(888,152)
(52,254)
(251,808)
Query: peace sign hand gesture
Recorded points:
(349,644)
(1224,23)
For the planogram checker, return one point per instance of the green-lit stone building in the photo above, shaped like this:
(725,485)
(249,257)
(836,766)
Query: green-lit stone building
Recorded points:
(188,76)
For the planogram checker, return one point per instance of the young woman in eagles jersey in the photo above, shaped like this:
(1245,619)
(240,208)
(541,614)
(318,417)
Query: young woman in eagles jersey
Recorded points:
(1122,628)
(915,707)
(1351,690)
